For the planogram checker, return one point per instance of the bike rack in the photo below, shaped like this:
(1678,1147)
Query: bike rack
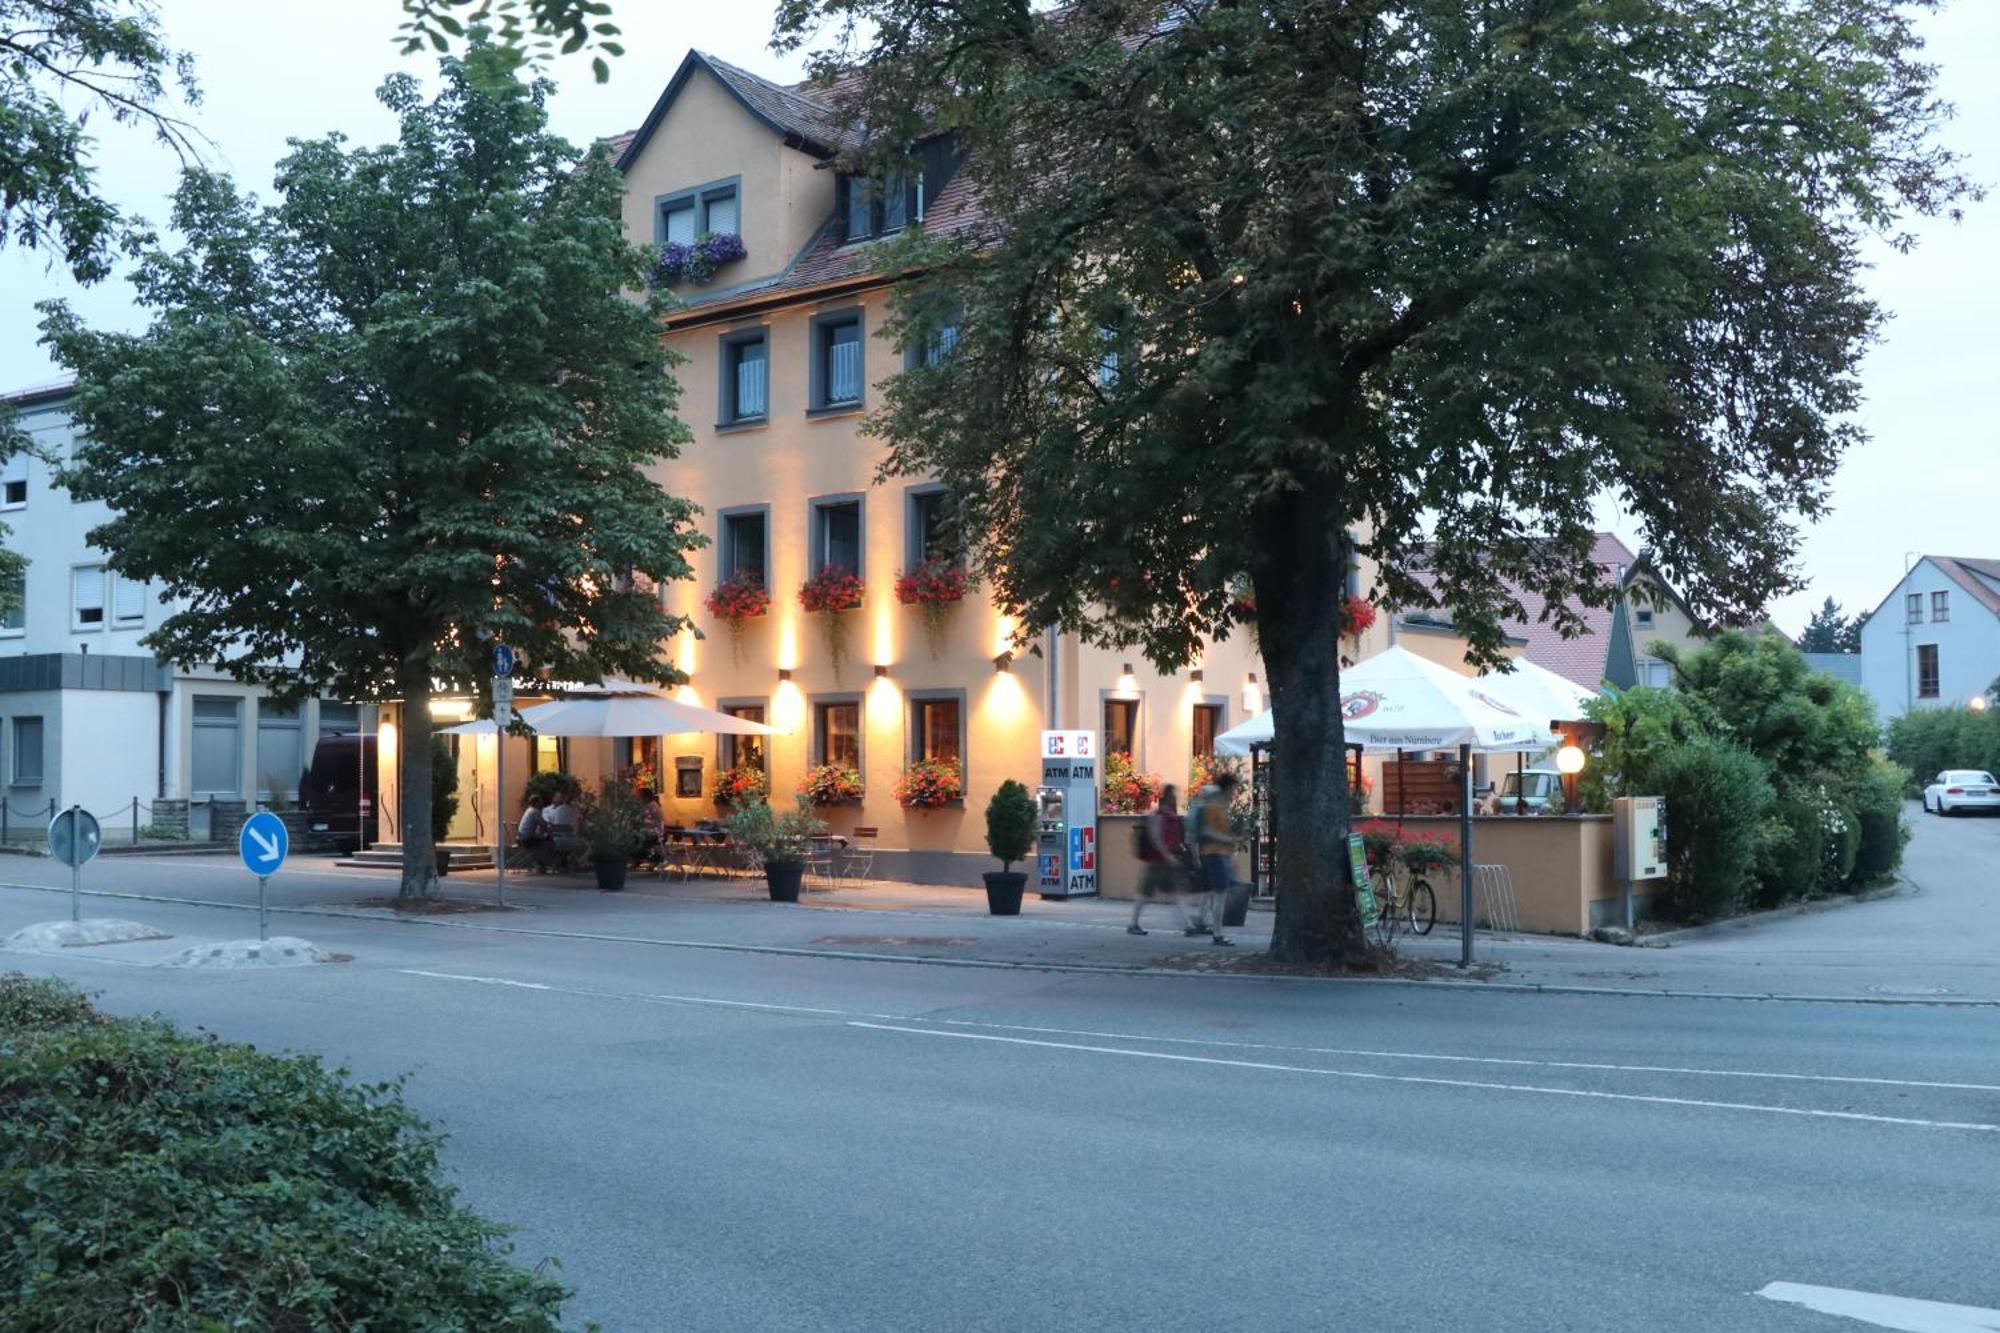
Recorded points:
(1494,903)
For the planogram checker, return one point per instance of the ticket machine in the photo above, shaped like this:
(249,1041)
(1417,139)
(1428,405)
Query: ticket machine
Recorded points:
(1067,800)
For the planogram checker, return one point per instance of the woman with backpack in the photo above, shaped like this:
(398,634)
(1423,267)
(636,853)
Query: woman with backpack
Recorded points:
(1162,848)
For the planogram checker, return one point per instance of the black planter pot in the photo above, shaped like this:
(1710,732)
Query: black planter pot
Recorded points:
(1236,905)
(1003,891)
(784,878)
(610,872)
(443,861)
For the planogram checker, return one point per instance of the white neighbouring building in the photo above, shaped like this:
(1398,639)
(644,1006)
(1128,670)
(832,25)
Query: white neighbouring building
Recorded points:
(88,716)
(1934,642)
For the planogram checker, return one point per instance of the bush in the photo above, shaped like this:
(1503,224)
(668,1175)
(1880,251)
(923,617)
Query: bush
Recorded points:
(1717,799)
(1012,824)
(164,1181)
(1929,740)
(444,788)
(548,785)
(1792,848)
(1879,814)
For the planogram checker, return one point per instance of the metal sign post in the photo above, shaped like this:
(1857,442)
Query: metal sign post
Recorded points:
(1465,856)
(74,838)
(263,844)
(503,714)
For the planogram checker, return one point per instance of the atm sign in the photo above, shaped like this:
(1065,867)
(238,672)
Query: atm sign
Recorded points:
(1069,745)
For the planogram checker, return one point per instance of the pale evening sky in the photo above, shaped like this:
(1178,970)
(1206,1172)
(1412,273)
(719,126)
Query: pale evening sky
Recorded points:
(1927,481)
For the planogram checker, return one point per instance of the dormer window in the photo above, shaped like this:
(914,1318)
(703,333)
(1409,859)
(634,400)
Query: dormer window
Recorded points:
(878,206)
(711,210)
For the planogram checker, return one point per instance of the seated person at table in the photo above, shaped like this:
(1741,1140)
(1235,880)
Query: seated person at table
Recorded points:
(532,836)
(564,824)
(654,821)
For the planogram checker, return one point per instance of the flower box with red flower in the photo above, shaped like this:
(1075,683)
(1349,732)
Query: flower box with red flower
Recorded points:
(928,784)
(831,784)
(739,597)
(832,590)
(939,581)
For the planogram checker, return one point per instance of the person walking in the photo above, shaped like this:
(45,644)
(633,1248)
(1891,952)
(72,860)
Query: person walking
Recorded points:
(1213,844)
(1162,844)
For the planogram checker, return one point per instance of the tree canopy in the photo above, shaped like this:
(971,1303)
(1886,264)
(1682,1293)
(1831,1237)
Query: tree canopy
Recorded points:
(409,408)
(1828,631)
(62,61)
(1262,286)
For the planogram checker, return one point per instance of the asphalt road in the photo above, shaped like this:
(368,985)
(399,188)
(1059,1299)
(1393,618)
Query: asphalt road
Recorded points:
(720,1141)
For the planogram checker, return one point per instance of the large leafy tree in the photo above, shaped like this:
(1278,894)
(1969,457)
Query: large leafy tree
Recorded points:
(407,409)
(1269,284)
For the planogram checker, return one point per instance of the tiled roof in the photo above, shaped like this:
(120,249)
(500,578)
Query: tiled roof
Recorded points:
(799,108)
(1973,575)
(1581,659)
(616,144)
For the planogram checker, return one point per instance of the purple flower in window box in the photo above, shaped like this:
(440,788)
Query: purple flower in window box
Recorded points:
(696,263)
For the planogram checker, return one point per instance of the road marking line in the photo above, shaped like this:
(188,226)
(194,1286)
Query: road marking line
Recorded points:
(1364,1076)
(1478,1059)
(633,995)
(1898,1312)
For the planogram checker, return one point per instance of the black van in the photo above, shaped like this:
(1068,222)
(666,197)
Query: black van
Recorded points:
(340,793)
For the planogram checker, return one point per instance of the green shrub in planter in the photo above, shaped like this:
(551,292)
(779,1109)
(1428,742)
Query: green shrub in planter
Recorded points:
(172,1182)
(1012,824)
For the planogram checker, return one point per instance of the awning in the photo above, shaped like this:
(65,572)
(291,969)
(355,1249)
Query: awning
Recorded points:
(1540,692)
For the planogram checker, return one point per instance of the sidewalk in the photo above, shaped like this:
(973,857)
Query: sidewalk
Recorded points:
(949,925)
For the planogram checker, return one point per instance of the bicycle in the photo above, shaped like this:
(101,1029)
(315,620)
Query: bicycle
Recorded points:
(1402,898)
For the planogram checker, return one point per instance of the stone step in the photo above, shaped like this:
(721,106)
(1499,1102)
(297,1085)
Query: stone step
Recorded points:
(389,856)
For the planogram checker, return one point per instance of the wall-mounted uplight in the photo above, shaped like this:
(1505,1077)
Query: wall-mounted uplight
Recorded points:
(1195,675)
(1003,662)
(881,671)
(1253,694)
(784,674)
(1128,680)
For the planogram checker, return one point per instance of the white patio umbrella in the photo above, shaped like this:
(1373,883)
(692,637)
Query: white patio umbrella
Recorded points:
(1397,700)
(1539,692)
(621,715)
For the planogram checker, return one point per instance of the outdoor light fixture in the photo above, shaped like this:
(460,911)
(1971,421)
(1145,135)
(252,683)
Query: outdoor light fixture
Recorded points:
(881,671)
(1004,662)
(1977,703)
(1569,760)
(1195,675)
(1253,697)
(784,674)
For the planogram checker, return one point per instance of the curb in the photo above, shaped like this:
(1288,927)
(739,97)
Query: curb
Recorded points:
(1752,920)
(1087,969)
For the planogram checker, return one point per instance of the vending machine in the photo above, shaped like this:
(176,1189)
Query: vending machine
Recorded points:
(1067,854)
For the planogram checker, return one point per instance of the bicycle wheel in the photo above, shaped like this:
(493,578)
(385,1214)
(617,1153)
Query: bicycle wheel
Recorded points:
(1388,910)
(1423,907)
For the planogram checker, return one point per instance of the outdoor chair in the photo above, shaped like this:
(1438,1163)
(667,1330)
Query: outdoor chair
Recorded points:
(819,861)
(859,863)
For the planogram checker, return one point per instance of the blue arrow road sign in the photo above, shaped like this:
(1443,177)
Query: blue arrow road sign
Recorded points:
(503,660)
(263,843)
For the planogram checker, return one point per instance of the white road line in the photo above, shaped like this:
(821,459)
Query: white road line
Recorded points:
(1475,1059)
(1364,1076)
(1212,1042)
(1898,1312)
(634,995)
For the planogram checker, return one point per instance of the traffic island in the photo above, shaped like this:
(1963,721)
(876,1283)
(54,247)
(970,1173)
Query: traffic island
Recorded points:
(48,935)
(279,951)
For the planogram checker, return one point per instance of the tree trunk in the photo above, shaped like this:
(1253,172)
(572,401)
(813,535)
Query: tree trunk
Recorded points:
(1300,584)
(413,794)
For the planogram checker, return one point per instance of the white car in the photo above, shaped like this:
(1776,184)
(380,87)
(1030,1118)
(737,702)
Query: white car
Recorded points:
(1958,789)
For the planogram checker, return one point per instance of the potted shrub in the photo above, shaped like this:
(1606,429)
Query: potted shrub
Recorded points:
(614,828)
(444,800)
(929,784)
(1010,835)
(780,842)
(831,784)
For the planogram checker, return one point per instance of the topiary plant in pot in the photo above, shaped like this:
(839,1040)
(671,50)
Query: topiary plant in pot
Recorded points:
(614,828)
(779,841)
(1010,836)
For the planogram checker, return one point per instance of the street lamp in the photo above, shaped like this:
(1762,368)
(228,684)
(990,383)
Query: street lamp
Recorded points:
(1977,703)
(1569,763)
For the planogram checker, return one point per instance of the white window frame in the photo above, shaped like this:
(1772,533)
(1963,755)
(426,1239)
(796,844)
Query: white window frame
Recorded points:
(77,624)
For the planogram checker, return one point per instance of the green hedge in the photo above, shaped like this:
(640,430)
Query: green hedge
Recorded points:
(1926,741)
(159,1181)
(1716,795)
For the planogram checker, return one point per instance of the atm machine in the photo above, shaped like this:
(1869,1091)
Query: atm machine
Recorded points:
(1066,856)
